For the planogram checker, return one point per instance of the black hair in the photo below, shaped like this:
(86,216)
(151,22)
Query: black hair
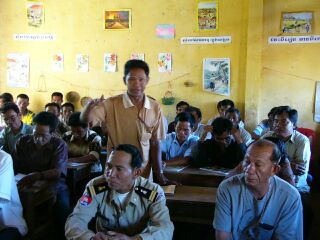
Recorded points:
(52,104)
(57,94)
(135,63)
(24,96)
(47,119)
(74,121)
(221,125)
(184,117)
(181,103)
(272,111)
(292,113)
(196,110)
(225,102)
(7,97)
(9,106)
(67,104)
(281,145)
(276,154)
(233,110)
(136,161)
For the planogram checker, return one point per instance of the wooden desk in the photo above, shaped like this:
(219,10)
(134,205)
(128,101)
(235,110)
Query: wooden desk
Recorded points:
(77,173)
(192,204)
(193,177)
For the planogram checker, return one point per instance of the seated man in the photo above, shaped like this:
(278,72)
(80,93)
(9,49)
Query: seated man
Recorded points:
(126,205)
(258,204)
(41,156)
(222,108)
(180,107)
(15,127)
(225,149)
(264,126)
(62,128)
(198,128)
(233,114)
(4,98)
(12,224)
(66,110)
(84,145)
(177,146)
(57,97)
(23,103)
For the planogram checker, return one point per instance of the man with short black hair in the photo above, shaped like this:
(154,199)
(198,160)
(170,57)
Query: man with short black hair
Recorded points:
(258,204)
(4,98)
(126,205)
(177,146)
(225,149)
(15,128)
(66,110)
(54,108)
(23,103)
(181,106)
(133,118)
(57,97)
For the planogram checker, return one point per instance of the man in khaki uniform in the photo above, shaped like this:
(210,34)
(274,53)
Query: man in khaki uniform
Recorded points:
(133,118)
(126,205)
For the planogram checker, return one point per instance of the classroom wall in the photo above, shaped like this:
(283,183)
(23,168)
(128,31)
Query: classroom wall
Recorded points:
(78,25)
(262,75)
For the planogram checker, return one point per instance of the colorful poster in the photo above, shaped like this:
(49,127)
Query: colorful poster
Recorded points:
(207,15)
(165,31)
(165,62)
(216,75)
(110,62)
(117,19)
(296,22)
(57,62)
(35,14)
(82,62)
(139,56)
(18,70)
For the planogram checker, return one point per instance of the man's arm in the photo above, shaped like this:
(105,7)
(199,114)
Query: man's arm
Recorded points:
(221,235)
(86,111)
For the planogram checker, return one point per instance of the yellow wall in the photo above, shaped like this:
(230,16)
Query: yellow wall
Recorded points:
(262,75)
(78,25)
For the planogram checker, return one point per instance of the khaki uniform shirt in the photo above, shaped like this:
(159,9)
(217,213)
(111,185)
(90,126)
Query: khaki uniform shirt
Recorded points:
(140,216)
(127,125)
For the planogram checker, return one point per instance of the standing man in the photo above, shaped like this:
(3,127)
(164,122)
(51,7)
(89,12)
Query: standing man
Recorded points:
(258,204)
(126,205)
(133,118)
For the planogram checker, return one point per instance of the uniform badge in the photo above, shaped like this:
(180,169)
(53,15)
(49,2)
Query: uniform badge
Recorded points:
(85,200)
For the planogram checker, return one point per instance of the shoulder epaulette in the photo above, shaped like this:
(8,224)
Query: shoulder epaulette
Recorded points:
(97,187)
(150,97)
(146,193)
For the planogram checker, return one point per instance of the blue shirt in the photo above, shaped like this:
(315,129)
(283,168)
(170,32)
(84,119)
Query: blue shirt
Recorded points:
(172,148)
(278,215)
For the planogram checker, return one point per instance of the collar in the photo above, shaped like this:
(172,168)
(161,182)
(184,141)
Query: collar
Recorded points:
(132,198)
(127,103)
(175,139)
(22,130)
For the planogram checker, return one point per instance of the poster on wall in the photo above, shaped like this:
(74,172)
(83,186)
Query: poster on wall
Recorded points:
(216,75)
(18,70)
(138,56)
(207,15)
(165,62)
(82,62)
(166,30)
(296,22)
(317,103)
(110,62)
(117,19)
(57,62)
(35,14)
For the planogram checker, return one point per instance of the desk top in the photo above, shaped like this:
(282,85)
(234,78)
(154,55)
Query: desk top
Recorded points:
(194,194)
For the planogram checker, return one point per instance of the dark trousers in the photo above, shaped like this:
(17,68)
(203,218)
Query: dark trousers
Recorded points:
(61,213)
(10,233)
(307,214)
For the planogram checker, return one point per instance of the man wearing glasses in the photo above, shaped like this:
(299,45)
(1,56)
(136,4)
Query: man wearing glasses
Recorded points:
(257,204)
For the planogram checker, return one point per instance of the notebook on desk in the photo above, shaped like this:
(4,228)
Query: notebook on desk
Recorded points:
(176,168)
(217,170)
(169,189)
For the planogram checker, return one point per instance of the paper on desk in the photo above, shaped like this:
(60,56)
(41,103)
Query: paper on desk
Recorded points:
(19,176)
(74,164)
(217,170)
(177,168)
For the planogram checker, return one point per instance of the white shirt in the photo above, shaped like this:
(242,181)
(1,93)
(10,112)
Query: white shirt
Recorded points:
(10,205)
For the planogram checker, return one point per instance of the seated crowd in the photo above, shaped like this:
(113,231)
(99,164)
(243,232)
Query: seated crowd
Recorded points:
(269,169)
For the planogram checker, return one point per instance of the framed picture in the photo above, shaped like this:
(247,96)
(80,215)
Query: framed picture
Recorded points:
(207,15)
(216,75)
(296,22)
(117,19)
(35,14)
